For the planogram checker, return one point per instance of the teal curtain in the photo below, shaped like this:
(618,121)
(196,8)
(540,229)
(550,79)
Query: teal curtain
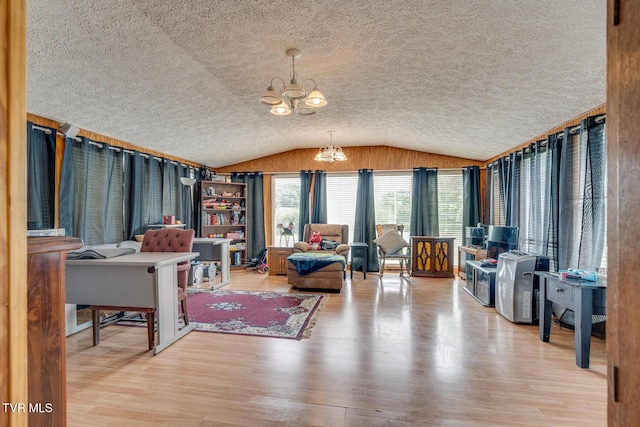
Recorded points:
(319,209)
(305,189)
(365,221)
(171,190)
(509,180)
(471,197)
(256,240)
(41,177)
(581,208)
(186,198)
(553,222)
(488,191)
(153,190)
(424,206)
(134,191)
(592,237)
(91,192)
(197,201)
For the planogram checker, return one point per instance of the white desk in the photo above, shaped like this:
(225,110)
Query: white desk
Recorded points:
(215,249)
(143,279)
(159,226)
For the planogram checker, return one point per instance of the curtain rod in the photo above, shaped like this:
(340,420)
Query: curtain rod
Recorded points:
(45,130)
(146,156)
(117,149)
(296,173)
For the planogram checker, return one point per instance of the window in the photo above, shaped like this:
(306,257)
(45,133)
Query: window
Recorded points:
(341,200)
(392,202)
(497,211)
(393,199)
(286,208)
(534,196)
(579,219)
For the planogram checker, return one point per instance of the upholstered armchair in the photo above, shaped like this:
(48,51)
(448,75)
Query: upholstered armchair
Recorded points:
(332,232)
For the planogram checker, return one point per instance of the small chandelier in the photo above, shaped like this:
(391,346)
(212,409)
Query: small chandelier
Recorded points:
(330,153)
(293,96)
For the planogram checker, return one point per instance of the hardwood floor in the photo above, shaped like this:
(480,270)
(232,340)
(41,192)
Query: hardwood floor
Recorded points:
(390,352)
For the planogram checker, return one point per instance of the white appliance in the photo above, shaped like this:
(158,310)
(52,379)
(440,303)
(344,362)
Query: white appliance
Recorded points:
(515,294)
(196,273)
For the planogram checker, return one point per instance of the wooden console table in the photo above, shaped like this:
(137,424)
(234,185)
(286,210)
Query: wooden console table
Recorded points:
(46,327)
(468,253)
(432,256)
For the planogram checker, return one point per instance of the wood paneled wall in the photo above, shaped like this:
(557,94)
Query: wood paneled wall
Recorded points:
(380,157)
(573,122)
(13,211)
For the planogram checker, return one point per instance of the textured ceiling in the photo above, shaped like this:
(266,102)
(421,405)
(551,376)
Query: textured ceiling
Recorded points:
(464,78)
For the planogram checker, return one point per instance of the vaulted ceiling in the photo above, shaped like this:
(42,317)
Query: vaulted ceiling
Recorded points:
(466,78)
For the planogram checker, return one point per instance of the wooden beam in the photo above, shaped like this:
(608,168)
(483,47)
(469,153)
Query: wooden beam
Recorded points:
(13,224)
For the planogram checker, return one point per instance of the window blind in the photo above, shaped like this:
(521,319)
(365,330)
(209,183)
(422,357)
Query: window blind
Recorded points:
(341,200)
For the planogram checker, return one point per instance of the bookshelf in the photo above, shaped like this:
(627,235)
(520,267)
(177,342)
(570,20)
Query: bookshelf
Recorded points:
(224,214)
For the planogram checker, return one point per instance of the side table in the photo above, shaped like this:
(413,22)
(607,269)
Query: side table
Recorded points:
(584,298)
(277,259)
(360,250)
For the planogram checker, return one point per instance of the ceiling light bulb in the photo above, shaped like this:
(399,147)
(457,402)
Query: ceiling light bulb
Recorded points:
(316,99)
(281,109)
(339,155)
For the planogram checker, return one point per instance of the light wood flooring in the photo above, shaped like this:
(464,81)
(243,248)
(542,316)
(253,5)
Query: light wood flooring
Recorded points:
(384,352)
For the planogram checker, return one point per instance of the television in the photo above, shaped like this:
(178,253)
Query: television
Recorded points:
(474,236)
(501,239)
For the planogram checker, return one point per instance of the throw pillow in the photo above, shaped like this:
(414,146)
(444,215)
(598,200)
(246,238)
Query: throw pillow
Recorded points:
(328,245)
(391,242)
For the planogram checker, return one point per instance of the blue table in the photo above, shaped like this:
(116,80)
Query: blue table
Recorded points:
(583,297)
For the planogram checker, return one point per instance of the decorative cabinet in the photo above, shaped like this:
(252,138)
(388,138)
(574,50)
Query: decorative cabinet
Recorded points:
(224,214)
(432,256)
(468,253)
(46,296)
(277,259)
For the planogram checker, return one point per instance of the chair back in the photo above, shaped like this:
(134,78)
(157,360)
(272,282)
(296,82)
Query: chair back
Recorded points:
(383,228)
(337,232)
(168,240)
(171,240)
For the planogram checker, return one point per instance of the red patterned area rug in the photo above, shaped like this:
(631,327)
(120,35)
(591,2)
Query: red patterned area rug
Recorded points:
(265,314)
